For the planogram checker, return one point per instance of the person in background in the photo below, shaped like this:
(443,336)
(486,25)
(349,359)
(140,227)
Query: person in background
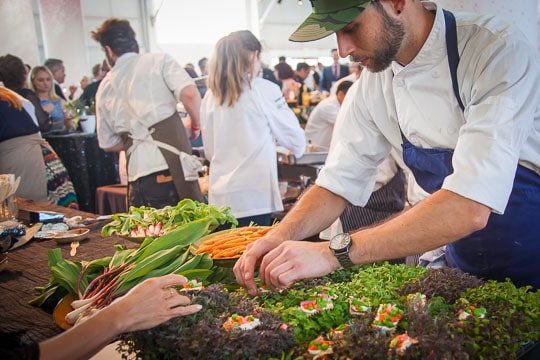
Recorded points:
(136,107)
(28,70)
(300,76)
(191,71)
(58,70)
(284,73)
(470,136)
(25,153)
(201,81)
(332,73)
(241,115)
(268,74)
(73,88)
(89,93)
(321,121)
(14,74)
(42,84)
(149,304)
(203,66)
(190,68)
(355,69)
(316,75)
(20,146)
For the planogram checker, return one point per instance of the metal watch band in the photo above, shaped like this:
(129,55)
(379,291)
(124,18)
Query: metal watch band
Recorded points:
(344,259)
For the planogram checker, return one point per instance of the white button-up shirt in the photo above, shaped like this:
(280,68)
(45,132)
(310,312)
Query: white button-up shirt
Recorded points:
(498,77)
(134,103)
(240,141)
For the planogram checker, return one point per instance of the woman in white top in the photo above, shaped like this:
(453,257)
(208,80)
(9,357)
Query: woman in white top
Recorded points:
(242,118)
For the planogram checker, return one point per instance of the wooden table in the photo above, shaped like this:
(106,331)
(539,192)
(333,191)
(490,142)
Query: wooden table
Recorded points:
(28,267)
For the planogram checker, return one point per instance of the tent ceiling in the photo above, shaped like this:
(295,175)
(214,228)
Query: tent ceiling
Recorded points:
(278,19)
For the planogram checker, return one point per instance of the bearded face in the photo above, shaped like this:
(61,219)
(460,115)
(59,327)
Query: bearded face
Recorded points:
(385,42)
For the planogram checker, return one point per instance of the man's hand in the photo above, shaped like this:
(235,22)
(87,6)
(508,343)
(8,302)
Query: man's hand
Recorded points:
(295,260)
(244,269)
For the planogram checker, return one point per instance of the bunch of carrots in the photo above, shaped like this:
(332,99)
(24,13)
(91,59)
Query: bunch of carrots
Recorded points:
(232,244)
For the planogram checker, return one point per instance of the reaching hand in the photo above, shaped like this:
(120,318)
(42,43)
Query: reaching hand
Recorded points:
(295,260)
(153,302)
(244,269)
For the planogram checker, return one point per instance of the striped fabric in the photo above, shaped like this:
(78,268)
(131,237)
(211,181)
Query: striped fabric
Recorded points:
(383,203)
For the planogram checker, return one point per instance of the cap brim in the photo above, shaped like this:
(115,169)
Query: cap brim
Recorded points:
(319,26)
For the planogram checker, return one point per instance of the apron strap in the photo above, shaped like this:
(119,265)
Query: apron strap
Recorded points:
(452,51)
(453,59)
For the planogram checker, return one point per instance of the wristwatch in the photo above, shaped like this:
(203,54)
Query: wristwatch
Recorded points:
(340,245)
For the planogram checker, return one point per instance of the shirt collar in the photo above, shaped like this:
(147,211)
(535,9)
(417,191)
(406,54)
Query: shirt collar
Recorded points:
(434,49)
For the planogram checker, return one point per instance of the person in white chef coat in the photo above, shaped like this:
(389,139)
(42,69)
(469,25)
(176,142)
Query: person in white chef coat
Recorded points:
(243,116)
(439,90)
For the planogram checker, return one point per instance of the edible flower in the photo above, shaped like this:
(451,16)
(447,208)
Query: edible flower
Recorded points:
(416,301)
(319,345)
(387,317)
(400,344)
(320,303)
(359,305)
(193,285)
(236,321)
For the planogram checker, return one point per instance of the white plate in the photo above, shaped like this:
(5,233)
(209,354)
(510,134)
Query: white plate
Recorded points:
(71,235)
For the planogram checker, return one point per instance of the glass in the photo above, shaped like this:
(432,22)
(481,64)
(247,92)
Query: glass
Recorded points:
(10,209)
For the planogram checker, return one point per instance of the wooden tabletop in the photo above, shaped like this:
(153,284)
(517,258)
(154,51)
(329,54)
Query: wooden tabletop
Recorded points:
(28,267)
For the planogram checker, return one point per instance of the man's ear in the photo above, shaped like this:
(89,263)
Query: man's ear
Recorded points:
(108,50)
(340,96)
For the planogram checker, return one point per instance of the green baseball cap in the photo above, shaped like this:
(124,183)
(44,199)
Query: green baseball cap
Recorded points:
(327,17)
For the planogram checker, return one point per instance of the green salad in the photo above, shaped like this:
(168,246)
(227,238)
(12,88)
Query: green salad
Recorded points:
(140,222)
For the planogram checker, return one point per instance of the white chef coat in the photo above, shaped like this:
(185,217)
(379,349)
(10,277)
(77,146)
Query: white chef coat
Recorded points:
(498,77)
(321,122)
(152,95)
(239,142)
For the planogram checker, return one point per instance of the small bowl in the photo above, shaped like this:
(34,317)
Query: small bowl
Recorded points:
(71,235)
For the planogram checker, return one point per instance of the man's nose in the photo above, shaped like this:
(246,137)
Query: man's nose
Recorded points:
(345,45)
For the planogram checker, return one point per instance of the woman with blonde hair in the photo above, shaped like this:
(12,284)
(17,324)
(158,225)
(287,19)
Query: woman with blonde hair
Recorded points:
(243,116)
(41,80)
(20,136)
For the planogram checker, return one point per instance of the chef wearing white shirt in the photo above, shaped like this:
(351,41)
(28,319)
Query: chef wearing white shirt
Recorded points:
(240,128)
(458,93)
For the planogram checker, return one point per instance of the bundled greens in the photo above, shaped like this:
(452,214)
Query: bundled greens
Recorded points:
(146,221)
(97,283)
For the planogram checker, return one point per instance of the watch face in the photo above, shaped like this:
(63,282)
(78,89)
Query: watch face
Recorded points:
(340,241)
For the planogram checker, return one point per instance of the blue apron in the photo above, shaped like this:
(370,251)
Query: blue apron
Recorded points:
(509,246)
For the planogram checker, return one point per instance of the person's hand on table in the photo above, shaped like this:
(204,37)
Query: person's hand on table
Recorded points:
(244,269)
(296,260)
(151,303)
(148,304)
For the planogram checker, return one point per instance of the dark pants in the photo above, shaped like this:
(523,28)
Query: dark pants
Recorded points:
(156,190)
